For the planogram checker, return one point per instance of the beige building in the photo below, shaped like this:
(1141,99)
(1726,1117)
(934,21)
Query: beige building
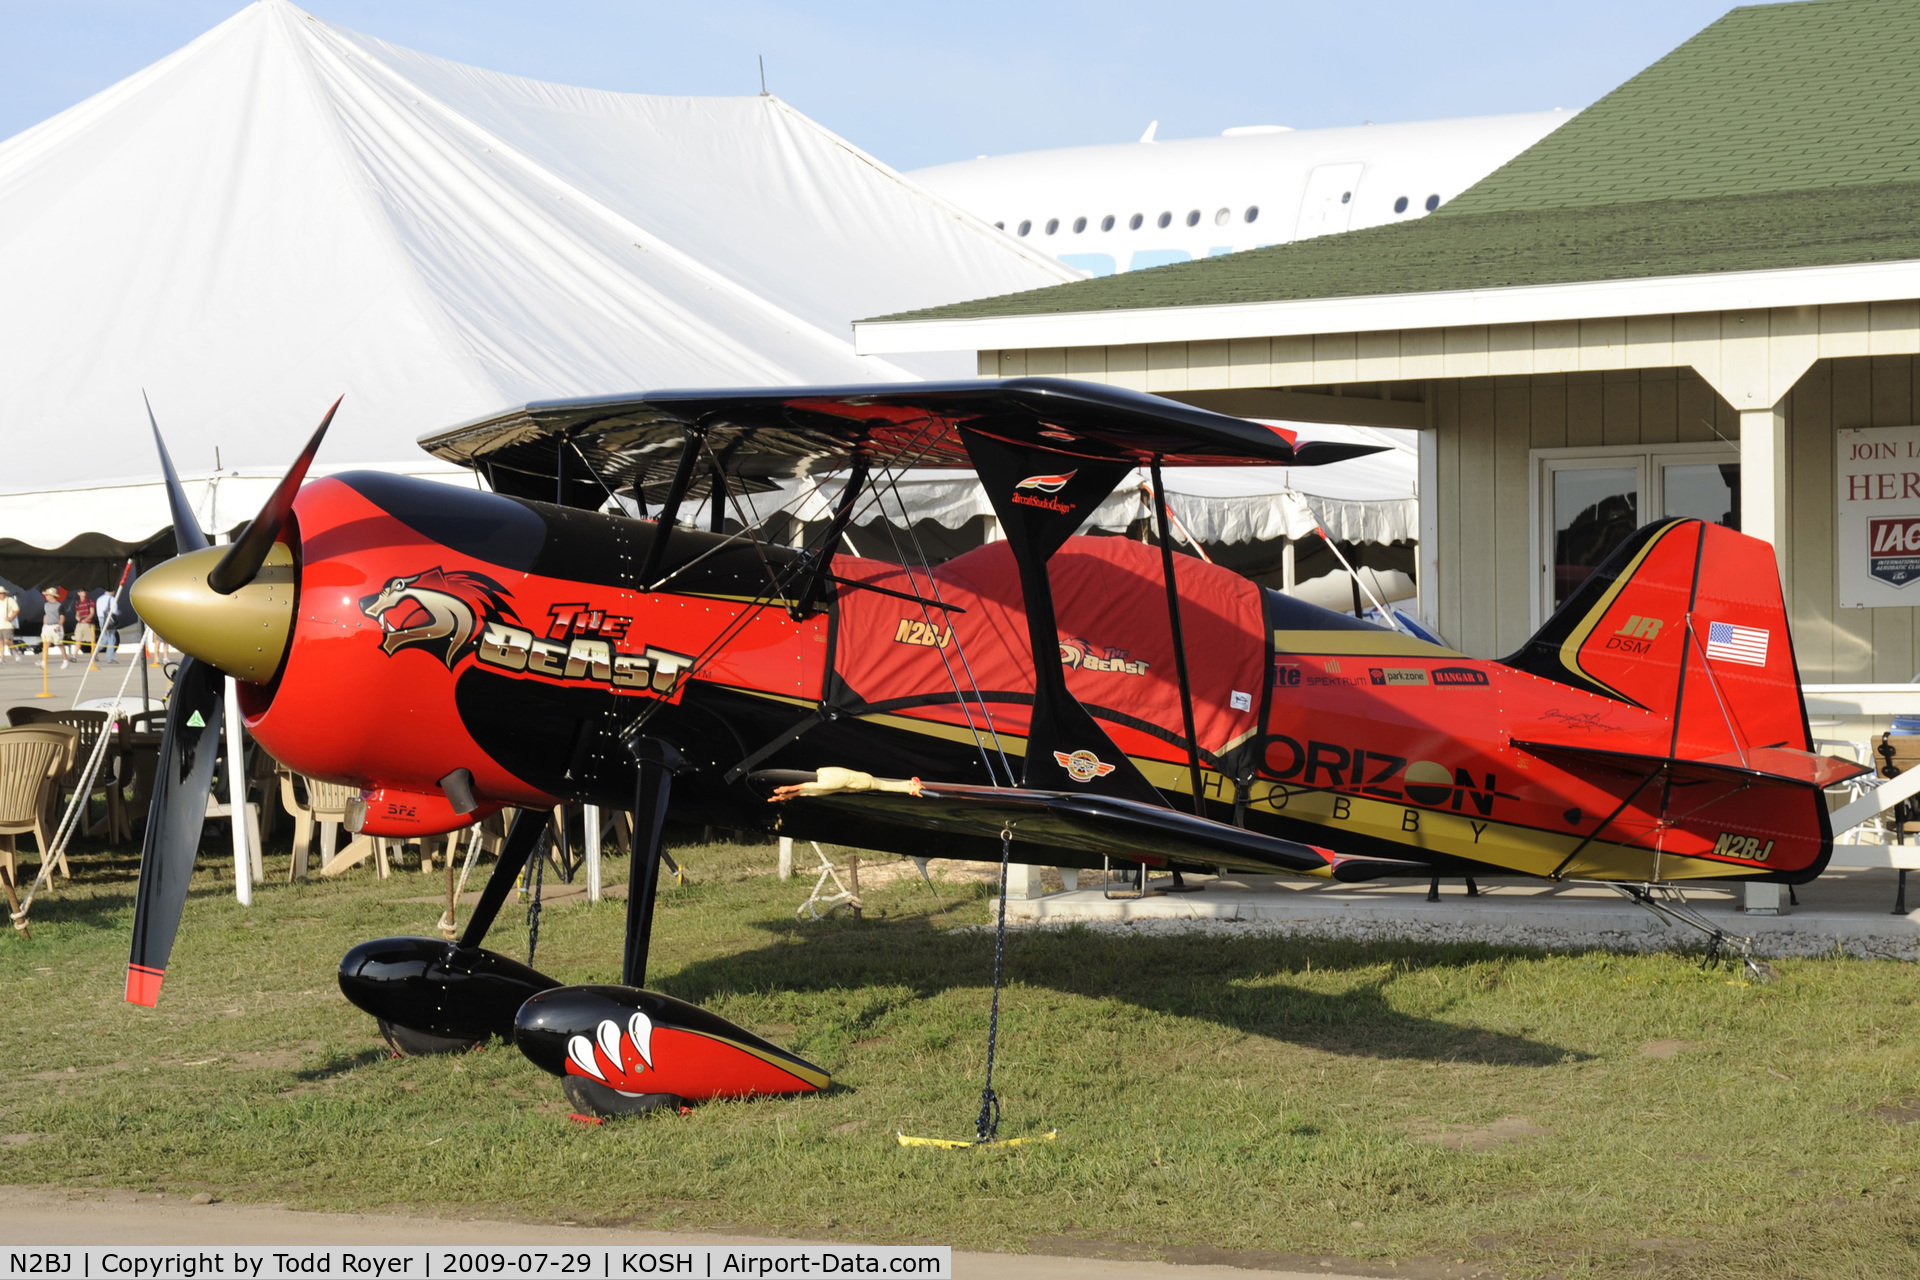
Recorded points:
(1671,305)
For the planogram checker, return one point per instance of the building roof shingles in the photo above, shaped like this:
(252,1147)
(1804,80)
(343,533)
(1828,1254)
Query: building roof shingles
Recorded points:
(1784,135)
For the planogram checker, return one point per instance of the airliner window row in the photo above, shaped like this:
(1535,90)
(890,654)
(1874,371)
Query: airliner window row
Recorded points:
(1221,217)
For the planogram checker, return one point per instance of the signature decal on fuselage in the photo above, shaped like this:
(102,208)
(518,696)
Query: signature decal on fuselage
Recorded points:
(1079,655)
(450,613)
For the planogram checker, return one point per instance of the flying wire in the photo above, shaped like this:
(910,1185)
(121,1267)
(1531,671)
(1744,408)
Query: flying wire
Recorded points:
(891,482)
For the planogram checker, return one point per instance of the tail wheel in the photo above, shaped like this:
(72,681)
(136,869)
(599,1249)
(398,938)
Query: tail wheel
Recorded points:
(408,1043)
(595,1099)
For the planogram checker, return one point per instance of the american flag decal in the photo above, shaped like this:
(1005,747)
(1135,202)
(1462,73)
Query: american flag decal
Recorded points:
(1737,644)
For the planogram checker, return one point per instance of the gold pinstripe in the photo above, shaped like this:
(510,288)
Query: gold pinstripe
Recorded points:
(1577,638)
(818,1079)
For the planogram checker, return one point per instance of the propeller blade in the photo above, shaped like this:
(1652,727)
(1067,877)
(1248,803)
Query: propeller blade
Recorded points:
(186,530)
(181,783)
(249,550)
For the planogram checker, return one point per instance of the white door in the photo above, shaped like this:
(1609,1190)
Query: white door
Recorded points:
(1327,205)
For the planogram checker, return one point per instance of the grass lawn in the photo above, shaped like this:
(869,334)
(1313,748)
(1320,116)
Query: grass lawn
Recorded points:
(1399,1109)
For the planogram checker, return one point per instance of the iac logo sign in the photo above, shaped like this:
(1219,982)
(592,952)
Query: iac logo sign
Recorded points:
(1038,491)
(1893,550)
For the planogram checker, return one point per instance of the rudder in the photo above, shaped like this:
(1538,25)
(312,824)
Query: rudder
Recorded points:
(1685,619)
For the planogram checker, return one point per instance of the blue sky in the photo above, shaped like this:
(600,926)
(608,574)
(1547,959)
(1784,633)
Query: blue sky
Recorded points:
(919,83)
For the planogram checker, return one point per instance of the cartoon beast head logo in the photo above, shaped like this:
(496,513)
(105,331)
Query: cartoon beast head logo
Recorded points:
(438,610)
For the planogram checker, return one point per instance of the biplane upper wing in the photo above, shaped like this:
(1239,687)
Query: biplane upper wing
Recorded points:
(583,449)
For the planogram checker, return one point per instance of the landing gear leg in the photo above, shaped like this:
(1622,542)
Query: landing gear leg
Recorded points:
(1473,890)
(521,839)
(657,761)
(1433,890)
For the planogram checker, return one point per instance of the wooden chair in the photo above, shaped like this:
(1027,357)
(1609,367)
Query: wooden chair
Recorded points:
(32,760)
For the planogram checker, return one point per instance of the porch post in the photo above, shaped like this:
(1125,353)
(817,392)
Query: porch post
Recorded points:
(1763,478)
(1427,496)
(1763,515)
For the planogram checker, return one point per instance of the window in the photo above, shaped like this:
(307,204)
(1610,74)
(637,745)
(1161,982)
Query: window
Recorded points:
(1165,220)
(1253,213)
(1400,205)
(1025,227)
(1433,202)
(1053,225)
(1106,223)
(1079,225)
(1000,226)
(1702,491)
(1133,223)
(1587,502)
(1346,197)
(1222,217)
(1193,217)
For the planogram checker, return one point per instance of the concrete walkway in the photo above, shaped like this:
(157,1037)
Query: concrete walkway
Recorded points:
(20,682)
(45,1216)
(1845,908)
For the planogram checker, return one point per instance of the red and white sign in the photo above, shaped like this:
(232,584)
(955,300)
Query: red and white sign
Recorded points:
(1877,501)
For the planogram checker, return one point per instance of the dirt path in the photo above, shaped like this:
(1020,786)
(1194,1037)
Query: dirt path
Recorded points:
(38,1215)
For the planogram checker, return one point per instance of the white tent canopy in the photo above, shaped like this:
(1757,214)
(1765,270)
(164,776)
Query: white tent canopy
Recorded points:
(133,511)
(285,210)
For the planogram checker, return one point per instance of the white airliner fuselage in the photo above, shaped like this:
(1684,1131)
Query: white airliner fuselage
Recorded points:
(1143,204)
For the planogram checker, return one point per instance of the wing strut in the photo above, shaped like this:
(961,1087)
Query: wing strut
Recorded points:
(1041,496)
(1179,639)
(670,509)
(856,481)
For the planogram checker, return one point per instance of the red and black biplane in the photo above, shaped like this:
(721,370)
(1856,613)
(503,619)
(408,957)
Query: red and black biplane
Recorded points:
(1049,698)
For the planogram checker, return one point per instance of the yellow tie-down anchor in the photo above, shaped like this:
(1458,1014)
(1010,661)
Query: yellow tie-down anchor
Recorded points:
(951,1144)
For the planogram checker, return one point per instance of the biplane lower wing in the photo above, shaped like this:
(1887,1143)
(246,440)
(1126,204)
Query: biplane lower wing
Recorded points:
(1110,826)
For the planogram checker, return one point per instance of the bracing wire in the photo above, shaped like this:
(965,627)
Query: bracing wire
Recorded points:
(890,481)
(776,591)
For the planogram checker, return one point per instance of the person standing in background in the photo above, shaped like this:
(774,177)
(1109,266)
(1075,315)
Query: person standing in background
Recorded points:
(106,612)
(51,635)
(9,623)
(83,621)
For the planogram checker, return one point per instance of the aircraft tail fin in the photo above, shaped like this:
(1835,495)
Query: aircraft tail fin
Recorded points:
(1687,620)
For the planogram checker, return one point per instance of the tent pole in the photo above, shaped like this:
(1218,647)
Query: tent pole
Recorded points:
(1179,640)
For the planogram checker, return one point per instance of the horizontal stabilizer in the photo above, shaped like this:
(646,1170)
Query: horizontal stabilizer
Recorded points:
(1778,766)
